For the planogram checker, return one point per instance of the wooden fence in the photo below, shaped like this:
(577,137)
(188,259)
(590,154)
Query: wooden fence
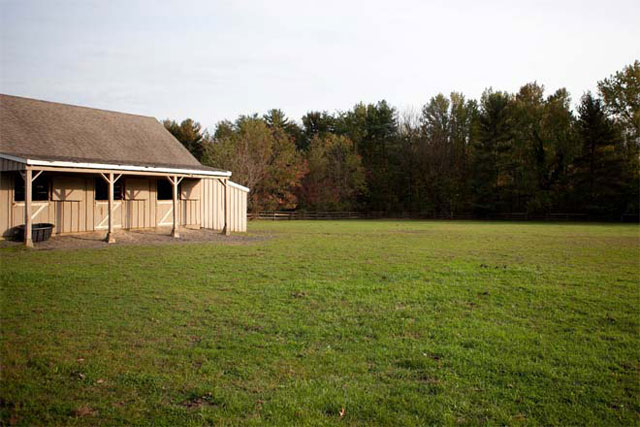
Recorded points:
(517,216)
(285,215)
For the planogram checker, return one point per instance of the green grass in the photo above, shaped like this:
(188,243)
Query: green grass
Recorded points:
(397,322)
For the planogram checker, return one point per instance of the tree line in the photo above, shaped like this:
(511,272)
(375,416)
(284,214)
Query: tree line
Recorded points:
(524,152)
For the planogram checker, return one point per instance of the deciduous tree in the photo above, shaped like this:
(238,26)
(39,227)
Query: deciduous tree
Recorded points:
(262,158)
(335,177)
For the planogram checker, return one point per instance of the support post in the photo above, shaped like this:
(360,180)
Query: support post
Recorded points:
(27,207)
(227,217)
(110,237)
(111,180)
(176,223)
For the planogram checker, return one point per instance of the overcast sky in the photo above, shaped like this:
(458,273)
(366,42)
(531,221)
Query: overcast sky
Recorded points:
(213,60)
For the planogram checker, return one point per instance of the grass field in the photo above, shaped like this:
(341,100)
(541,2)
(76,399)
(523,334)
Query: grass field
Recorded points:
(386,322)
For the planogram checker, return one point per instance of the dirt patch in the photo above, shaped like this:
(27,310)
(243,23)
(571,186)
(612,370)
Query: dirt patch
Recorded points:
(196,402)
(84,412)
(139,237)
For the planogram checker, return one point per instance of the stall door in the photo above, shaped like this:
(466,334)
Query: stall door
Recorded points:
(138,212)
(101,217)
(165,213)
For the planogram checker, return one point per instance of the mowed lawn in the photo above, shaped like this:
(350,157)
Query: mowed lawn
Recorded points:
(352,322)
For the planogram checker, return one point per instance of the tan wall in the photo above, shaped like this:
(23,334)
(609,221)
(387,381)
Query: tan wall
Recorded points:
(139,206)
(213,206)
(238,204)
(6,183)
(10,165)
(190,203)
(73,208)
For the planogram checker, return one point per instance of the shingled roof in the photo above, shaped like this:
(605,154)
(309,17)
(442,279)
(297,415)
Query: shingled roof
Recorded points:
(42,130)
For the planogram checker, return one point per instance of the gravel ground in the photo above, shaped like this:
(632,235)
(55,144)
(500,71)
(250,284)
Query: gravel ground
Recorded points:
(137,237)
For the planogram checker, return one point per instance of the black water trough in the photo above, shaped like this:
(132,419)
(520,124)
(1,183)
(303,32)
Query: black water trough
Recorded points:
(39,232)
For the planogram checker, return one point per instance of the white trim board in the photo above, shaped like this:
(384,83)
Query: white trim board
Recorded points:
(238,186)
(106,166)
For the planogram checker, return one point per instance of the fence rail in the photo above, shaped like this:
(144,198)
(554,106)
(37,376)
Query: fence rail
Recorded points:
(517,216)
(283,215)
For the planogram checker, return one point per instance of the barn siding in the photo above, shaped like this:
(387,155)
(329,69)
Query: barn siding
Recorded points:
(238,209)
(10,165)
(212,207)
(6,196)
(190,203)
(72,207)
(138,203)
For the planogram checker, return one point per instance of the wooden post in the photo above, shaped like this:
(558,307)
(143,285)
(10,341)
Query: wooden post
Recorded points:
(110,182)
(227,219)
(176,219)
(27,207)
(110,237)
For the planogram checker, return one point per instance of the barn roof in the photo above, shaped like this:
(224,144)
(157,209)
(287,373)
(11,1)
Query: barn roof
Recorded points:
(49,131)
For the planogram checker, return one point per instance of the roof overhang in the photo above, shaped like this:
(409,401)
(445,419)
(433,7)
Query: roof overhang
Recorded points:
(99,167)
(239,187)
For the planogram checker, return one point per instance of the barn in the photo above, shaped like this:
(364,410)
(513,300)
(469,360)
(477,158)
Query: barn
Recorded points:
(84,170)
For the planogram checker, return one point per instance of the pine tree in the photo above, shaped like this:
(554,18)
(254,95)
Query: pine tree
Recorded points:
(491,154)
(600,168)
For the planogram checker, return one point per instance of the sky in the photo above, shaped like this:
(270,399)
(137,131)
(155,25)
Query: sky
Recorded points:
(214,60)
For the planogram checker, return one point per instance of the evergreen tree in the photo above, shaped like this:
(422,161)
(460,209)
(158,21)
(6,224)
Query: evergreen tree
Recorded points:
(544,146)
(373,128)
(507,153)
(276,118)
(599,169)
(316,123)
(491,154)
(190,134)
